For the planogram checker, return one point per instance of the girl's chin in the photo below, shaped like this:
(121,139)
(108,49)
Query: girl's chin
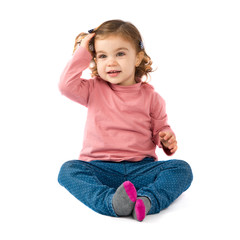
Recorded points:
(113,81)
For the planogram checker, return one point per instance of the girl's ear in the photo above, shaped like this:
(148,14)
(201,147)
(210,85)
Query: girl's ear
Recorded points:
(139,58)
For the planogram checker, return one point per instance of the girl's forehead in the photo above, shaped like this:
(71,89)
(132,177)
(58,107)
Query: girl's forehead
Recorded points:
(112,41)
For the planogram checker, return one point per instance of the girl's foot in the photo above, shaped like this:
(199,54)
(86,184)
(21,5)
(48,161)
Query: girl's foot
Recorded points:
(141,208)
(124,199)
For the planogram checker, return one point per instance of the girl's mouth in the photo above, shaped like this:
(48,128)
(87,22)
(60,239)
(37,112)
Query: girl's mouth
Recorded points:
(113,73)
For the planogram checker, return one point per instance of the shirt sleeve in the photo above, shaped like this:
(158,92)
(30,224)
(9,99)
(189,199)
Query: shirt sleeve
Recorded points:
(71,84)
(159,121)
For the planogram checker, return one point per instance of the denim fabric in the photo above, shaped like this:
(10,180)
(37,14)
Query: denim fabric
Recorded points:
(94,183)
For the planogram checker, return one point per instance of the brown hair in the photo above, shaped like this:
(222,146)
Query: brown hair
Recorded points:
(127,31)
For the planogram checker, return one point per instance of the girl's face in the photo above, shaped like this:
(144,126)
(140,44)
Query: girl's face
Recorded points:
(116,60)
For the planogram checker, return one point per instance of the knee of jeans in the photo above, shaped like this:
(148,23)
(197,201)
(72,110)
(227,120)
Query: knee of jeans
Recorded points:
(65,171)
(185,167)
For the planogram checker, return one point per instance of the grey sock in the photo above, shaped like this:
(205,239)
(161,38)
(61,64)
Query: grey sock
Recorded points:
(124,199)
(140,211)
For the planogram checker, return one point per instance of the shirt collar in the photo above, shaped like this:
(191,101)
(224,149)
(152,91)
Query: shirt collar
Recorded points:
(130,88)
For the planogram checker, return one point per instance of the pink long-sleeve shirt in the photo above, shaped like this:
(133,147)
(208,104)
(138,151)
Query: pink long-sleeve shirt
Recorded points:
(123,122)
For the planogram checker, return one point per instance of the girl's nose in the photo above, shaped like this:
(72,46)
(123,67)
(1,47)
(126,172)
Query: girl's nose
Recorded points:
(112,62)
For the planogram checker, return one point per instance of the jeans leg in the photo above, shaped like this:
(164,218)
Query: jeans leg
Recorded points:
(169,180)
(79,178)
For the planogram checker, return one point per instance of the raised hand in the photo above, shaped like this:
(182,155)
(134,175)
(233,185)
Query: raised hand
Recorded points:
(83,40)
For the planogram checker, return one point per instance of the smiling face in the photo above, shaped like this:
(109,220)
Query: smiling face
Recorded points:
(116,60)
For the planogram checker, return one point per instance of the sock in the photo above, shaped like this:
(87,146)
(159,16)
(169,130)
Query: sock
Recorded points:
(124,199)
(141,208)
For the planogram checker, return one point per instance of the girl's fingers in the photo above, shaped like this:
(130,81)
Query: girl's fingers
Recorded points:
(173,145)
(89,37)
(168,136)
(162,134)
(171,139)
(165,135)
(85,41)
(174,149)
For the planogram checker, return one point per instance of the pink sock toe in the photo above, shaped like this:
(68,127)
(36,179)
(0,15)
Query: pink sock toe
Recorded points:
(130,190)
(140,210)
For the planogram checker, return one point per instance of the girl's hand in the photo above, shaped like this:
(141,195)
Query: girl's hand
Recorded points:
(169,141)
(85,41)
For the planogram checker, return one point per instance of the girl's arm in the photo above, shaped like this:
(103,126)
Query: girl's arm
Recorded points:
(71,84)
(159,122)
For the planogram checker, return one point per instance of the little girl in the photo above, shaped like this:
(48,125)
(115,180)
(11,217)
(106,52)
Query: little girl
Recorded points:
(117,172)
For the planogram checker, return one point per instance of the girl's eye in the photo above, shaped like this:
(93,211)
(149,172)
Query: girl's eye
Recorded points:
(120,54)
(102,56)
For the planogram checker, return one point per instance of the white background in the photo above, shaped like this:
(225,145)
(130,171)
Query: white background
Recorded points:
(194,45)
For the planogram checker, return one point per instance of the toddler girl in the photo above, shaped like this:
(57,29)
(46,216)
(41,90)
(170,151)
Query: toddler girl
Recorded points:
(118,172)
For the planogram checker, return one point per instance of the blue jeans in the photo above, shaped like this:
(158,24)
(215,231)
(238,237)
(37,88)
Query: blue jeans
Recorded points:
(94,183)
